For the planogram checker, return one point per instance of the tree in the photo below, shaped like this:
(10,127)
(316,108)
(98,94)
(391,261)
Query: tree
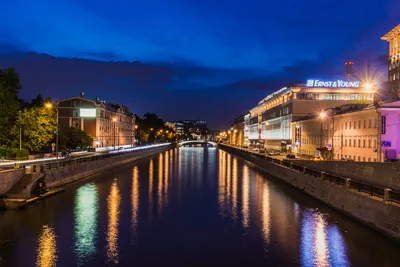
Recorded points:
(38,128)
(73,138)
(9,103)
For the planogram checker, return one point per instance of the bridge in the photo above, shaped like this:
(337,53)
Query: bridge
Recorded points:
(197,142)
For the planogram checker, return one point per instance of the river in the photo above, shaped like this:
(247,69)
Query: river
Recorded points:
(187,207)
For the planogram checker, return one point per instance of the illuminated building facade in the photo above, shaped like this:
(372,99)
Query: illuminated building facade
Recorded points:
(269,123)
(237,132)
(359,132)
(393,37)
(108,124)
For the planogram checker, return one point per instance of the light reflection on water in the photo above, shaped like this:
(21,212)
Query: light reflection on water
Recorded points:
(113,201)
(86,209)
(135,200)
(47,249)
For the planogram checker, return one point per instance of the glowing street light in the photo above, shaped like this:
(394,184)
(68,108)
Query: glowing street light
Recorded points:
(368,86)
(322,115)
(114,119)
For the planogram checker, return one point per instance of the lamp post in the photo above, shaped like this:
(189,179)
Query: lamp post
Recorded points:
(20,132)
(50,105)
(134,134)
(322,116)
(114,120)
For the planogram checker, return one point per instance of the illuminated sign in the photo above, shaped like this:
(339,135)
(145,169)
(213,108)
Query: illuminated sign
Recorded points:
(87,112)
(333,84)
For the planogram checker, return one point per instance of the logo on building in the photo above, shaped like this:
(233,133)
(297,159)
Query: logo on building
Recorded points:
(332,84)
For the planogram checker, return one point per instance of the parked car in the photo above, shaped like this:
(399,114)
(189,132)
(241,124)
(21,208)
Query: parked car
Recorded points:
(256,149)
(391,160)
(290,156)
(273,153)
(263,150)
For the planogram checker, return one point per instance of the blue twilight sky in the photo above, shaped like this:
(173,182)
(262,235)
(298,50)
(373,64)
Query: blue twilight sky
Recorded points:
(188,59)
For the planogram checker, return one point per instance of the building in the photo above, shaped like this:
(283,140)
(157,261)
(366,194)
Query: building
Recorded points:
(393,37)
(108,124)
(237,132)
(359,132)
(269,123)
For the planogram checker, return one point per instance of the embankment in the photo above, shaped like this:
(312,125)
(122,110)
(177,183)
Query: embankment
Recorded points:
(63,175)
(379,215)
(8,178)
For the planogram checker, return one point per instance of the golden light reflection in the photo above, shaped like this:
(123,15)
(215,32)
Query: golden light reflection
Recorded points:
(221,181)
(321,246)
(266,219)
(160,184)
(166,177)
(228,177)
(135,200)
(47,249)
(151,177)
(113,202)
(245,197)
(234,187)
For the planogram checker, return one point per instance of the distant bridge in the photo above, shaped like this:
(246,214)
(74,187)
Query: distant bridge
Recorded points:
(197,142)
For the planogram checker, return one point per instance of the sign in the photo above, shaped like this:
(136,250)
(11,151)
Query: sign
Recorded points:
(333,84)
(298,135)
(383,124)
(386,143)
(87,113)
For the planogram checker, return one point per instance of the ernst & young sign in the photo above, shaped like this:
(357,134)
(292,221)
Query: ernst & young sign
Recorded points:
(333,84)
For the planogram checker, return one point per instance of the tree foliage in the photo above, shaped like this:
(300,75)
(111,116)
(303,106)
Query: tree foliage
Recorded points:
(9,103)
(38,128)
(74,138)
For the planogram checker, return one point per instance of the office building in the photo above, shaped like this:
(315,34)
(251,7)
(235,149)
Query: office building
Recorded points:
(269,123)
(359,132)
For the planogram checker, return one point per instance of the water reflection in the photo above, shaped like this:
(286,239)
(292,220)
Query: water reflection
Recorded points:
(321,245)
(234,187)
(245,197)
(221,182)
(86,213)
(47,250)
(151,177)
(266,215)
(166,177)
(113,202)
(160,184)
(135,200)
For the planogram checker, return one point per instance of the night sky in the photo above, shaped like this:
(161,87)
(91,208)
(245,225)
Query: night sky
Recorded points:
(188,59)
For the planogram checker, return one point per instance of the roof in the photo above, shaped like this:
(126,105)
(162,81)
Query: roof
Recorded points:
(393,32)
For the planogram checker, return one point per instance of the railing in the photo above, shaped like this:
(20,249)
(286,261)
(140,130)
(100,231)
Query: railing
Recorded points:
(374,191)
(75,161)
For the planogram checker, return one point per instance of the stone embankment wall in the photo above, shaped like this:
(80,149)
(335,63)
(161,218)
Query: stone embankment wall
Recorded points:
(373,212)
(9,178)
(380,174)
(67,174)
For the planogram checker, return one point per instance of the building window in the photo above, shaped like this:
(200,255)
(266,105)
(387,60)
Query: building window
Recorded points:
(349,142)
(354,125)
(363,158)
(359,143)
(359,124)
(374,143)
(359,158)
(354,142)
(375,122)
(363,143)
(369,143)
(369,123)
(365,123)
(345,125)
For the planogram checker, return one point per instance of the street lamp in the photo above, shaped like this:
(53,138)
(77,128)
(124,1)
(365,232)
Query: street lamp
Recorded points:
(114,120)
(49,106)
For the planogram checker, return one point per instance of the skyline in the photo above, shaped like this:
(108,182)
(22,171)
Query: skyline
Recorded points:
(203,57)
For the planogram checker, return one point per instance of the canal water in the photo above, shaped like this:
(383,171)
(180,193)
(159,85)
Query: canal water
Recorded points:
(186,207)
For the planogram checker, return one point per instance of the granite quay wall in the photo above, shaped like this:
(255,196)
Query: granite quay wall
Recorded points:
(380,174)
(78,169)
(377,213)
(9,178)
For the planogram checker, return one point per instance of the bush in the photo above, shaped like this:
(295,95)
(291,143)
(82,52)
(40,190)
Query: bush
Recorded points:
(13,153)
